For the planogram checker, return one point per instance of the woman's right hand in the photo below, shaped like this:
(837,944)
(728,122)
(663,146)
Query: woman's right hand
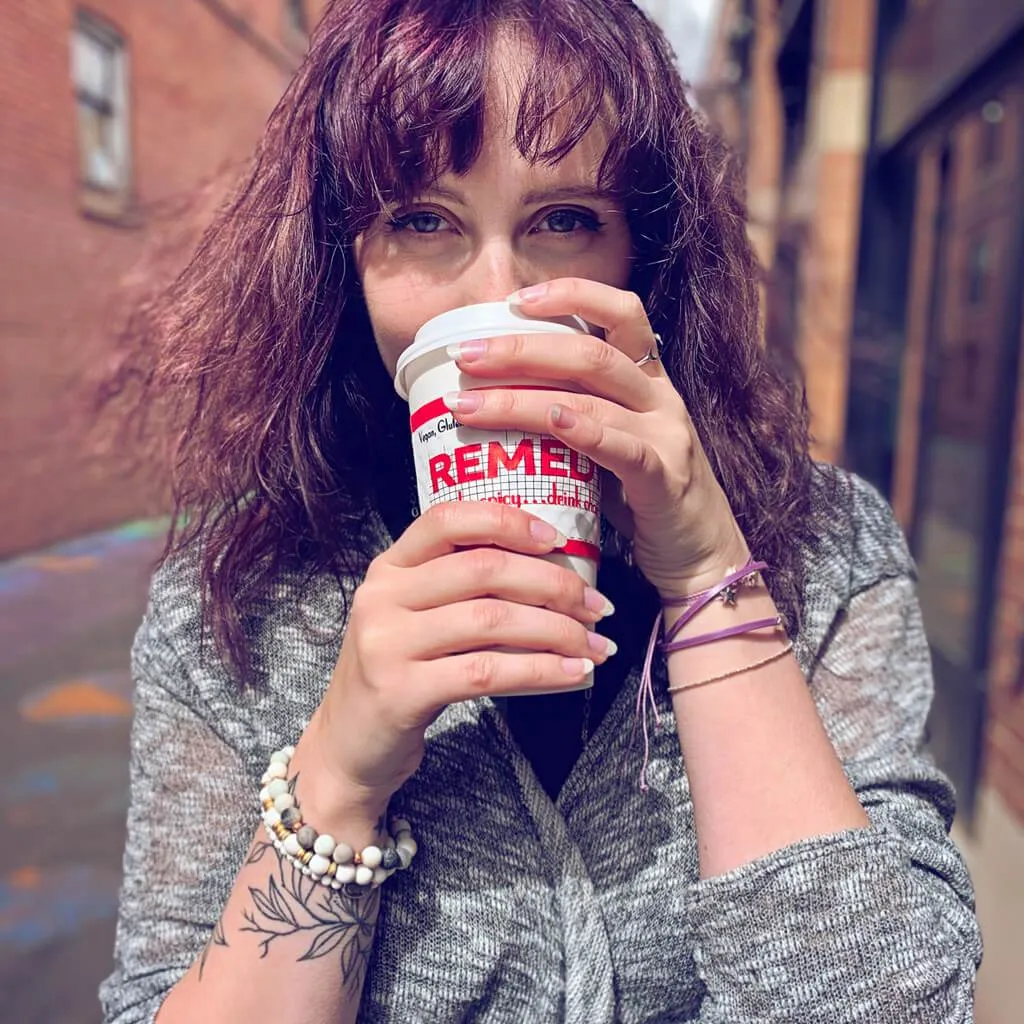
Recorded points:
(462,580)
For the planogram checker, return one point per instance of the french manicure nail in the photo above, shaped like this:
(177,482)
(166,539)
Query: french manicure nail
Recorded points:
(602,645)
(577,666)
(467,351)
(531,294)
(463,401)
(595,601)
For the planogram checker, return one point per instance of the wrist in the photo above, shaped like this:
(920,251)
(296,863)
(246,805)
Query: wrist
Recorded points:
(333,802)
(705,579)
(707,573)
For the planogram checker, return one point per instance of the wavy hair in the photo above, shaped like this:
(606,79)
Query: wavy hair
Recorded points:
(257,383)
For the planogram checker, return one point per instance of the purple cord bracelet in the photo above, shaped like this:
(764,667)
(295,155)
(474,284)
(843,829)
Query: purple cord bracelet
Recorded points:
(727,589)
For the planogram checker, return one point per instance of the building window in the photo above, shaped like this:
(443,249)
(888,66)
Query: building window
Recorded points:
(99,73)
(993,117)
(979,269)
(295,14)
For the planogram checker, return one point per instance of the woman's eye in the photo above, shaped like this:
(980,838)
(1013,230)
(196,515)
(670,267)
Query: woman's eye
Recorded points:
(567,222)
(422,223)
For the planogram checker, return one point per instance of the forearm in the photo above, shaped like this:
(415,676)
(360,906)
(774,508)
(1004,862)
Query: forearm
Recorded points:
(762,772)
(286,946)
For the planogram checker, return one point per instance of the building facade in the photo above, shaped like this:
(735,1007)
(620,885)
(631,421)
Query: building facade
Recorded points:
(895,262)
(109,112)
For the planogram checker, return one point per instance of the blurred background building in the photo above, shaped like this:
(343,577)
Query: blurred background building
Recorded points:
(109,112)
(884,150)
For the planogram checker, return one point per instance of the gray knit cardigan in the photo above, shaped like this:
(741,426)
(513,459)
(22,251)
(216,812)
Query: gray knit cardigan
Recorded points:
(589,910)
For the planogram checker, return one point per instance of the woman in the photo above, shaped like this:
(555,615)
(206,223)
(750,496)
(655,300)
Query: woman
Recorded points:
(787,857)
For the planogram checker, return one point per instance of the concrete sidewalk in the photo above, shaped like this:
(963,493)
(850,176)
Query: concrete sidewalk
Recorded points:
(67,619)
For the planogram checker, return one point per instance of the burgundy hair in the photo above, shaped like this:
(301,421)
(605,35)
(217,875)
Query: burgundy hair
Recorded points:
(261,354)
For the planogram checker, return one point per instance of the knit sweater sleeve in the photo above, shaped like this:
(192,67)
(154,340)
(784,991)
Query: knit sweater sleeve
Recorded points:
(868,926)
(190,817)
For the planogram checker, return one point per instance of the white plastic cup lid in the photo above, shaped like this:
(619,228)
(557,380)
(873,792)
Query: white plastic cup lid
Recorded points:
(484,320)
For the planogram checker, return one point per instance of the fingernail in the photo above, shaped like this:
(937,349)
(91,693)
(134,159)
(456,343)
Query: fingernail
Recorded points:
(463,401)
(531,294)
(577,667)
(602,645)
(563,417)
(467,351)
(547,534)
(596,602)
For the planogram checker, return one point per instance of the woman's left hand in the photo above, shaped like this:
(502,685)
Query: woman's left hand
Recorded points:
(630,420)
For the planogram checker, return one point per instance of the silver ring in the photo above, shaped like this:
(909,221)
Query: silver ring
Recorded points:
(653,354)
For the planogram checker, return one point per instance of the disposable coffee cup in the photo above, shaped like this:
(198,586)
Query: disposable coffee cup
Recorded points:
(534,472)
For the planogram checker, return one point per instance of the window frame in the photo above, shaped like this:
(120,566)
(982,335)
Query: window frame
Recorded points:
(109,200)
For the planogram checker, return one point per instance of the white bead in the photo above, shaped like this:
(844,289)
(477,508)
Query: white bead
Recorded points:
(278,845)
(400,825)
(346,873)
(291,845)
(264,794)
(324,845)
(279,757)
(307,872)
(404,856)
(335,884)
(325,879)
(276,787)
(408,844)
(389,842)
(276,771)
(380,876)
(283,802)
(371,856)
(343,853)
(364,875)
(290,750)
(271,818)
(318,865)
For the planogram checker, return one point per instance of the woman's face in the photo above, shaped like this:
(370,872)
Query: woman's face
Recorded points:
(478,238)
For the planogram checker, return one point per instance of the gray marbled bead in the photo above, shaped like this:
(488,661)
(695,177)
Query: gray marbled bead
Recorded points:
(390,860)
(306,837)
(290,817)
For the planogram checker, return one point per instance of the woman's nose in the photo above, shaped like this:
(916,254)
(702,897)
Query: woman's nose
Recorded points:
(496,273)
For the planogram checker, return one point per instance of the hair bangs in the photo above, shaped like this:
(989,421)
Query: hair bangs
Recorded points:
(426,80)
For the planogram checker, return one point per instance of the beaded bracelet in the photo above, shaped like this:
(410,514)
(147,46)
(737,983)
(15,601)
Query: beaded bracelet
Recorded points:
(318,856)
(732,673)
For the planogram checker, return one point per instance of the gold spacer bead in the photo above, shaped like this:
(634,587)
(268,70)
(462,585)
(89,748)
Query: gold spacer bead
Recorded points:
(307,856)
(268,804)
(357,859)
(332,869)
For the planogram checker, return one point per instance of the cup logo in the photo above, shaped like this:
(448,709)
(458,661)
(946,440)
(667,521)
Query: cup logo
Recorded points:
(531,471)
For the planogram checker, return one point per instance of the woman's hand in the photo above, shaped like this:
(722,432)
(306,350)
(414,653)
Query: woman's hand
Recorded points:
(462,580)
(630,420)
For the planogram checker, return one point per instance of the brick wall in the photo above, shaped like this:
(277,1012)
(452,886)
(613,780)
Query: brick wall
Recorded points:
(203,76)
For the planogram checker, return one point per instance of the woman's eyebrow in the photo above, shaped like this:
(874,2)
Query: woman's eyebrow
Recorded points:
(548,195)
(568,192)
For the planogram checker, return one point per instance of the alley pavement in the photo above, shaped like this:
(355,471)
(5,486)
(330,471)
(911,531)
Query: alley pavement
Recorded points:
(67,619)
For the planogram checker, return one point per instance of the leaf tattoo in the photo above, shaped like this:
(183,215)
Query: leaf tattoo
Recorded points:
(218,938)
(335,922)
